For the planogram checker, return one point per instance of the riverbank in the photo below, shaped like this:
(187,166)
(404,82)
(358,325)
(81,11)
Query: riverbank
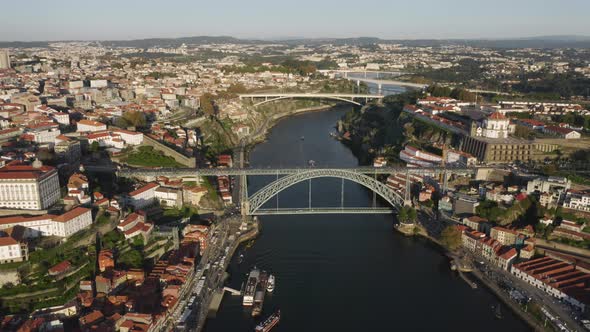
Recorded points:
(261,133)
(457,264)
(243,238)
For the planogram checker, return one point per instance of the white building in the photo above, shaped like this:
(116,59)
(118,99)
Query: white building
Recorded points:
(47,225)
(495,126)
(144,196)
(12,251)
(28,187)
(169,196)
(577,201)
(84,126)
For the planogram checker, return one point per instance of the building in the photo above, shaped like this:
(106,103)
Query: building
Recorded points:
(577,201)
(106,260)
(134,225)
(12,251)
(561,279)
(169,197)
(465,205)
(503,150)
(4,59)
(504,235)
(84,126)
(495,126)
(63,225)
(476,223)
(29,187)
(553,187)
(566,133)
(144,196)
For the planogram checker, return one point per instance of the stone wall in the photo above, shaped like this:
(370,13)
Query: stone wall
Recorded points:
(179,157)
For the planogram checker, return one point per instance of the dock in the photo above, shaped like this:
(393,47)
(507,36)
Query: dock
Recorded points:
(232,291)
(215,304)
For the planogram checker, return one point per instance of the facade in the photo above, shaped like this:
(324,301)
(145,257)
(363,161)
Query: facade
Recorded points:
(475,222)
(84,126)
(47,225)
(144,196)
(12,251)
(577,201)
(30,187)
(495,126)
(506,150)
(566,133)
(504,235)
(170,197)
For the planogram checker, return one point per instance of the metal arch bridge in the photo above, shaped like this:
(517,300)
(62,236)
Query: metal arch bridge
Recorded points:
(251,205)
(346,97)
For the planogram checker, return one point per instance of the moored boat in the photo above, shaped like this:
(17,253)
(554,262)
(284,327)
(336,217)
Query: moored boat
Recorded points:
(269,323)
(270,285)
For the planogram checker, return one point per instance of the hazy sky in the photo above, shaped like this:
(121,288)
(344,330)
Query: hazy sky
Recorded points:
(408,19)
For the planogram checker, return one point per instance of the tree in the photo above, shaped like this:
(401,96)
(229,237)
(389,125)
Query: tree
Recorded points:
(451,238)
(131,259)
(135,118)
(94,147)
(207,104)
(407,215)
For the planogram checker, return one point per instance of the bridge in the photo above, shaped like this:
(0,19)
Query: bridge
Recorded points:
(380,83)
(345,97)
(288,177)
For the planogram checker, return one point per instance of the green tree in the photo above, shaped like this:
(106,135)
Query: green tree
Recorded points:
(208,104)
(131,259)
(94,147)
(451,238)
(135,118)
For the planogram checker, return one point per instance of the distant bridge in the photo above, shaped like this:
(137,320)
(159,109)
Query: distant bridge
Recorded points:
(380,83)
(346,97)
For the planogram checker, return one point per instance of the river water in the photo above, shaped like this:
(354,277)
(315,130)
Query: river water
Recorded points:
(346,273)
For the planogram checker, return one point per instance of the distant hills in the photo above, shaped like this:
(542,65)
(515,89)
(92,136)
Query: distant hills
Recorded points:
(528,42)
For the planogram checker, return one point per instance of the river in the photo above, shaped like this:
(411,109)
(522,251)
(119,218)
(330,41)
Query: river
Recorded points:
(346,273)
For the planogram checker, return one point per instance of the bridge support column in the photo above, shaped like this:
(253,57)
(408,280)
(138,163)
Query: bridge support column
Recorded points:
(245,208)
(380,86)
(408,194)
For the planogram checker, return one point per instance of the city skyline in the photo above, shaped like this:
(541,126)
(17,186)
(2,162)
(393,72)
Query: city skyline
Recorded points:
(262,19)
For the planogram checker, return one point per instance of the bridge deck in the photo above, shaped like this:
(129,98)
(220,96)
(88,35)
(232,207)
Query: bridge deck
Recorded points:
(188,172)
(335,210)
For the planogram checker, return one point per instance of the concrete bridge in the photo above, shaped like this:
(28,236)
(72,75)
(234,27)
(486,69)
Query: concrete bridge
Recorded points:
(346,97)
(380,83)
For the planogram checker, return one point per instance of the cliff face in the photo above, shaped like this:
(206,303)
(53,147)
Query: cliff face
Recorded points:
(371,131)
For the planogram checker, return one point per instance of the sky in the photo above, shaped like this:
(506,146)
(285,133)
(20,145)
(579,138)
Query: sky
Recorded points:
(40,20)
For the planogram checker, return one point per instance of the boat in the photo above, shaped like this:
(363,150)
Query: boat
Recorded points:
(259,294)
(303,138)
(498,312)
(250,290)
(270,285)
(269,323)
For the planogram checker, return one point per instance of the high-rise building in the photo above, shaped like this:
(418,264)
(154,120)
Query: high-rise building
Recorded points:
(4,59)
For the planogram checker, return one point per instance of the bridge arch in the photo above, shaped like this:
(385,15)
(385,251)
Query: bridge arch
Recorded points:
(257,200)
(292,97)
